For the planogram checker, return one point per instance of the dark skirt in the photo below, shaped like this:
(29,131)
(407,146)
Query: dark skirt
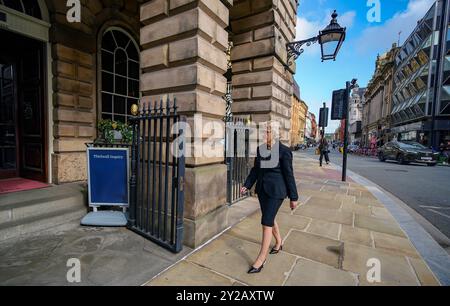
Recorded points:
(269,208)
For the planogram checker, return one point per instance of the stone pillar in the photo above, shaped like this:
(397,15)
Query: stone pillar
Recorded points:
(263,87)
(74,76)
(74,112)
(183,56)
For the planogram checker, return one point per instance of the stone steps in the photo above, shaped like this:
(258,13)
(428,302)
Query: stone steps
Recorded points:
(36,210)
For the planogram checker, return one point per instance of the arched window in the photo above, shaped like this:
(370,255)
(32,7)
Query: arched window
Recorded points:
(119,74)
(29,7)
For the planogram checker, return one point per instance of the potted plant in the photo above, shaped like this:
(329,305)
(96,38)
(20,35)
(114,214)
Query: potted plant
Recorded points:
(112,131)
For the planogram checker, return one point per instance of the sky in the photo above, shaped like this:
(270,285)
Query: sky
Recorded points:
(366,38)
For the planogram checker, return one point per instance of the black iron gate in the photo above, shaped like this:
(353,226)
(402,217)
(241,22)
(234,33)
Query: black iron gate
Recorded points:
(157,175)
(237,158)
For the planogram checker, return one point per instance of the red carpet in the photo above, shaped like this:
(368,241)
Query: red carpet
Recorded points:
(19,184)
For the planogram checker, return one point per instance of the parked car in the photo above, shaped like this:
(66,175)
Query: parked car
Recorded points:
(408,152)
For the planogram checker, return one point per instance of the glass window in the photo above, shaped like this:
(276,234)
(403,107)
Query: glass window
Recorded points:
(120,75)
(414,65)
(422,57)
(29,7)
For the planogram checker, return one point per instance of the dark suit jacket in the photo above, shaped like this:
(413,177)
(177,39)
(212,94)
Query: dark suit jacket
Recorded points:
(278,182)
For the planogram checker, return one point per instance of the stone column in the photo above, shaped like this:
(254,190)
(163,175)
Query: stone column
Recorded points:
(183,56)
(263,87)
(74,113)
(73,68)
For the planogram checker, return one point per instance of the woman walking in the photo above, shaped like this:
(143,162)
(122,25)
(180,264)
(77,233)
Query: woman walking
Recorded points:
(275,182)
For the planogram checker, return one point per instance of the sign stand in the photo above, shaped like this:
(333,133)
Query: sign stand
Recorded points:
(108,177)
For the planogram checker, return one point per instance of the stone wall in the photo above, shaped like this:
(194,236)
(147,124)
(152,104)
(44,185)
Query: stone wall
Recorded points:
(184,44)
(263,87)
(74,68)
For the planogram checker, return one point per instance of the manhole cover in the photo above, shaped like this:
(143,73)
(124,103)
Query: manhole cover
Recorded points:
(397,170)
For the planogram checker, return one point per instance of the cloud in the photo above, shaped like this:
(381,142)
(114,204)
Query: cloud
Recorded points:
(383,36)
(307,28)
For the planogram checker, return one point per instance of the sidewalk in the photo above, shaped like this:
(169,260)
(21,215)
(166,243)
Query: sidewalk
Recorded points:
(337,228)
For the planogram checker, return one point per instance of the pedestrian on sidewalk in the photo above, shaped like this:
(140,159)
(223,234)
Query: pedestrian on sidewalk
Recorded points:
(324,150)
(274,177)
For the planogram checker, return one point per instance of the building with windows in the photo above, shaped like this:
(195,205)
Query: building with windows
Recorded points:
(59,79)
(311,131)
(357,101)
(298,121)
(377,106)
(421,98)
(303,113)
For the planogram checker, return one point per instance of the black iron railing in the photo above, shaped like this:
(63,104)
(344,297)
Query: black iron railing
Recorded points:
(157,175)
(237,158)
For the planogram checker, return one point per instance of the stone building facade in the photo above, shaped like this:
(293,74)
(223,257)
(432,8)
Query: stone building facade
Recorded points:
(357,101)
(122,51)
(298,118)
(378,100)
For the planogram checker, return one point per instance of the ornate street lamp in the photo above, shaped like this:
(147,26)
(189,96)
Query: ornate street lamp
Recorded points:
(331,39)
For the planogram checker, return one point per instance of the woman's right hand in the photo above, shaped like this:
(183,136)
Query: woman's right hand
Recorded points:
(244,190)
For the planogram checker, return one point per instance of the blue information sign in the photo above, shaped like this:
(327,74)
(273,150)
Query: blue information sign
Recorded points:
(108,176)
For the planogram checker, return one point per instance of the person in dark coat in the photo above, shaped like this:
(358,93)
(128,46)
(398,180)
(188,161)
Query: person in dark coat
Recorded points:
(324,148)
(274,177)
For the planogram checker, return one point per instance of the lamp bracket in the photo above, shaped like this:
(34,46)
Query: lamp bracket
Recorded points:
(295,49)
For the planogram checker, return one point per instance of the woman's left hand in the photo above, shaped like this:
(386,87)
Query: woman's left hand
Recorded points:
(294,205)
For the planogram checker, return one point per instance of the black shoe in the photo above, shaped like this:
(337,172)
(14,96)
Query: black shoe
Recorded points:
(254,270)
(275,251)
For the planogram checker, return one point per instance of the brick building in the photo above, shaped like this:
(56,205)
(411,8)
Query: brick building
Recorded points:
(68,76)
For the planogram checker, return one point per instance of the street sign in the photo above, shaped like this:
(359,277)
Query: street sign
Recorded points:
(108,176)
(323,117)
(338,108)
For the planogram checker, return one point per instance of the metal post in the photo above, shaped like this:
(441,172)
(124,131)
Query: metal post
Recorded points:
(325,119)
(344,162)
(133,179)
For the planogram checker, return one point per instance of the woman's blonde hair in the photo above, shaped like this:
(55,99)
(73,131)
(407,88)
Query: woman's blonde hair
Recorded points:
(274,127)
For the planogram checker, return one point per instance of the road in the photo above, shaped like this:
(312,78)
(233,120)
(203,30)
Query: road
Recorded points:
(424,189)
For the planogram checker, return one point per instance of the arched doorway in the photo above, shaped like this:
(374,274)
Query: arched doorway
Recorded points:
(24,90)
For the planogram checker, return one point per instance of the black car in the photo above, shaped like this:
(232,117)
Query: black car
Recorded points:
(408,152)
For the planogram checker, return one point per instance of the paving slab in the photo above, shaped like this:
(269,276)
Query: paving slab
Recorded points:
(324,203)
(187,273)
(317,248)
(395,270)
(233,257)
(250,230)
(368,201)
(356,235)
(345,198)
(311,273)
(317,194)
(396,244)
(324,228)
(381,212)
(330,215)
(423,272)
(108,256)
(356,208)
(365,194)
(379,225)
